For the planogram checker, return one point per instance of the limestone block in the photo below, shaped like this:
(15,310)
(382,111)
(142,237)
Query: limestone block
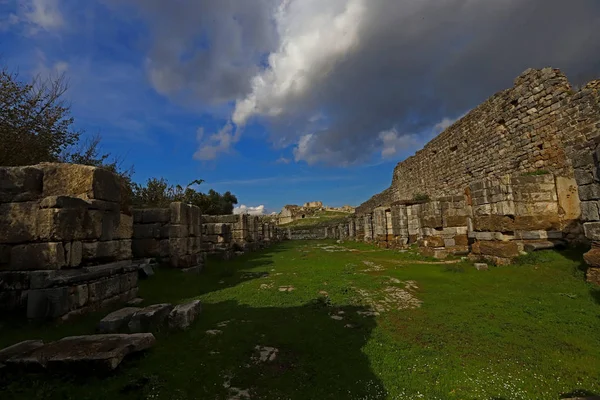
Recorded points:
(449,242)
(142,248)
(47,303)
(37,256)
(18,222)
(117,321)
(107,251)
(149,318)
(124,229)
(592,230)
(101,205)
(4,255)
(461,240)
(589,211)
(147,231)
(137,215)
(19,349)
(483,235)
(73,253)
(589,192)
(178,231)
(104,289)
(183,315)
(89,354)
(19,184)
(433,241)
(180,213)
(92,226)
(499,249)
(583,177)
(178,246)
(194,216)
(450,221)
(494,223)
(537,235)
(194,245)
(61,224)
(78,296)
(433,221)
(63,202)
(154,215)
(568,197)
(537,222)
(81,180)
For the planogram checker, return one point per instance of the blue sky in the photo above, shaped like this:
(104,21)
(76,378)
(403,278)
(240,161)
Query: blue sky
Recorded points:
(281,104)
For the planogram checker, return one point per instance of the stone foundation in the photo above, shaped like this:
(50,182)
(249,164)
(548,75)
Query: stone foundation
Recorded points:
(65,240)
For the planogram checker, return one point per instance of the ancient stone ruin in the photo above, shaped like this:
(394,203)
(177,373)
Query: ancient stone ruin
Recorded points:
(70,243)
(518,173)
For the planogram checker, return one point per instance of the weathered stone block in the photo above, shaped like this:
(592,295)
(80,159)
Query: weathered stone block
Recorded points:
(593,275)
(124,229)
(36,256)
(592,257)
(481,266)
(117,321)
(494,223)
(178,246)
(154,215)
(583,177)
(461,240)
(183,315)
(537,222)
(178,231)
(432,221)
(104,289)
(589,211)
(83,354)
(194,216)
(147,231)
(4,255)
(18,184)
(81,181)
(101,205)
(73,253)
(180,213)
(19,349)
(499,249)
(18,222)
(78,296)
(47,303)
(455,220)
(142,248)
(64,224)
(433,241)
(150,318)
(592,230)
(537,235)
(589,192)
(449,243)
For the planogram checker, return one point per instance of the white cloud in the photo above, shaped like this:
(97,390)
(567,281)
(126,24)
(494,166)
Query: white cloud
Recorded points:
(393,142)
(242,209)
(41,14)
(283,160)
(217,143)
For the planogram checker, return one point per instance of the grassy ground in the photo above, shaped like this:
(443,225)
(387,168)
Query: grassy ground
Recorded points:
(320,219)
(360,323)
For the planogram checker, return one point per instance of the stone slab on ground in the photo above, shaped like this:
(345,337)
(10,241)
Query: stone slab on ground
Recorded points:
(135,302)
(18,349)
(481,266)
(117,321)
(193,270)
(87,354)
(150,318)
(183,315)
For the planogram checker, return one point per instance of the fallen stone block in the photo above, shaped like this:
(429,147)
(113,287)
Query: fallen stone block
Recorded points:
(83,354)
(117,321)
(481,266)
(149,318)
(193,270)
(536,246)
(135,302)
(19,349)
(183,315)
(499,249)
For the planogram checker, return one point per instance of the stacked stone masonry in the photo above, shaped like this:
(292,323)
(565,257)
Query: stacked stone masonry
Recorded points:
(518,173)
(65,240)
(172,235)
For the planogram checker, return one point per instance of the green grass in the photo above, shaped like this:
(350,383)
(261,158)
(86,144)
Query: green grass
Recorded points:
(322,218)
(537,172)
(529,331)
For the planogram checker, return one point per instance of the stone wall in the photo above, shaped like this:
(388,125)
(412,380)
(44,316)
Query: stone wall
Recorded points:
(519,130)
(65,240)
(173,235)
(584,154)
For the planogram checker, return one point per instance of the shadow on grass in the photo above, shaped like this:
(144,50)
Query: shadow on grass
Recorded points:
(317,357)
(576,254)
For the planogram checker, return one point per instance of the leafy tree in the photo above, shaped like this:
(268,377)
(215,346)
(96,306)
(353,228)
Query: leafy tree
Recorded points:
(35,121)
(158,193)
